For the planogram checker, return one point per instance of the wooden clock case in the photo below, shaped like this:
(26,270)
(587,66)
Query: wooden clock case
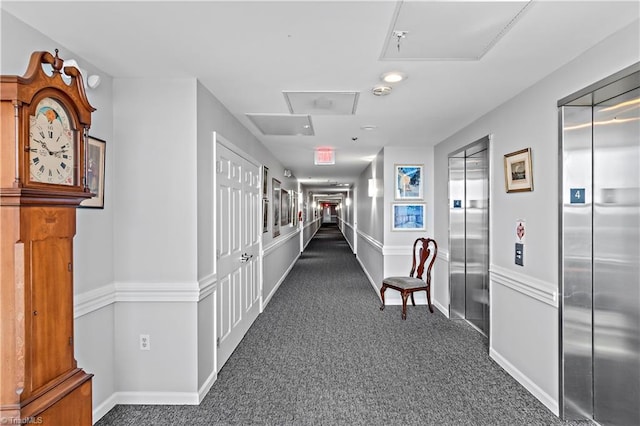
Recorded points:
(40,382)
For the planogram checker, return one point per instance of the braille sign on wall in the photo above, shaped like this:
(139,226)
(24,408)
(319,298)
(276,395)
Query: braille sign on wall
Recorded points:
(577,195)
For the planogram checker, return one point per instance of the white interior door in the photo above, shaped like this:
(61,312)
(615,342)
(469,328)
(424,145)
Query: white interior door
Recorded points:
(238,234)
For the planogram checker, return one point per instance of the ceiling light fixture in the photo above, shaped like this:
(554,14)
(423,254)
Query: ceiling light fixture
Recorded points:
(393,77)
(381,90)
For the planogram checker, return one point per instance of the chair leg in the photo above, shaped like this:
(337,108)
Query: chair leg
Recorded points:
(404,305)
(412,300)
(429,299)
(382,290)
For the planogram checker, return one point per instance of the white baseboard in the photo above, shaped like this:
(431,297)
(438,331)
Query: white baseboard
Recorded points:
(441,308)
(206,386)
(534,389)
(145,398)
(104,408)
(371,281)
(157,398)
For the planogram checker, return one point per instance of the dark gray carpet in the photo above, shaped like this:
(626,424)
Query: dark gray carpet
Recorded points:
(322,353)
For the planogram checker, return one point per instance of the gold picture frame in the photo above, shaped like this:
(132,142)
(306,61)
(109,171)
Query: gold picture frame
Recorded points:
(518,171)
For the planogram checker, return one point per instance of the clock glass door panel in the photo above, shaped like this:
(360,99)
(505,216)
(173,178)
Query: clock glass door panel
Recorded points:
(52,310)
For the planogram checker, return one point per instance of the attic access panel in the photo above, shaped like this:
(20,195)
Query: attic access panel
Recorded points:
(321,102)
(463,31)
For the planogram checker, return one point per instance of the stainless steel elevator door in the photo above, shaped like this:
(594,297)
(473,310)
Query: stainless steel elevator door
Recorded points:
(477,241)
(616,260)
(600,251)
(469,235)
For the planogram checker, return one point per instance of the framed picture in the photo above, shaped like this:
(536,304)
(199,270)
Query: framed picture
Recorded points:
(408,182)
(275,189)
(294,208)
(95,173)
(265,177)
(284,208)
(518,173)
(408,217)
(265,215)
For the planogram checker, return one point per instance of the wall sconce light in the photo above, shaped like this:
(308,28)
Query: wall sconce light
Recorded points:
(372,188)
(287,173)
(348,201)
(91,81)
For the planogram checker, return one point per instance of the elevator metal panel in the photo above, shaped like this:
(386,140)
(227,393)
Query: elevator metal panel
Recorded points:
(600,251)
(577,248)
(457,237)
(616,260)
(477,244)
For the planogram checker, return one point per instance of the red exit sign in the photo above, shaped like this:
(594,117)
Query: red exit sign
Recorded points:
(325,156)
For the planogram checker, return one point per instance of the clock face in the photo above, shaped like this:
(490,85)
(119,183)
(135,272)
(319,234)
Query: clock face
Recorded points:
(51,144)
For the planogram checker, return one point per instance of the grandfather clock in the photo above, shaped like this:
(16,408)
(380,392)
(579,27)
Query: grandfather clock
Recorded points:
(44,125)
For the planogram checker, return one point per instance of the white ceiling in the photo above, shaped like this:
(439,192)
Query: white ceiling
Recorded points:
(248,53)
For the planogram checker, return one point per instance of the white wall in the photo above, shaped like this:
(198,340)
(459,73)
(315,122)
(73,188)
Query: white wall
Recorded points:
(155,177)
(369,216)
(155,239)
(524,314)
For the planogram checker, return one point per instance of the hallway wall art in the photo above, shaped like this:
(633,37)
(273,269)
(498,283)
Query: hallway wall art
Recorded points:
(408,217)
(518,173)
(408,182)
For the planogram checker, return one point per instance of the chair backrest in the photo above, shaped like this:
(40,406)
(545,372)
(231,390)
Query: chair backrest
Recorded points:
(423,249)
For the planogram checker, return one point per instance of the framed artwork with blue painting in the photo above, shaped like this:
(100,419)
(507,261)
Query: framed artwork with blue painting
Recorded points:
(408,182)
(408,217)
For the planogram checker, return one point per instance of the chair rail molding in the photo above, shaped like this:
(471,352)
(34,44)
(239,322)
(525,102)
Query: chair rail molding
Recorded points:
(93,300)
(207,285)
(371,241)
(533,287)
(273,246)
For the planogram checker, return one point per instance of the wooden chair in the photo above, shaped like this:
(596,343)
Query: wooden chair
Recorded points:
(423,249)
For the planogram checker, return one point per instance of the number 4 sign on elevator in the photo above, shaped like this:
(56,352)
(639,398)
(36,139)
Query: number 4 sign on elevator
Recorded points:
(577,195)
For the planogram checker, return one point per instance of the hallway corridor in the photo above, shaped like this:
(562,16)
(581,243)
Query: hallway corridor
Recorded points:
(322,354)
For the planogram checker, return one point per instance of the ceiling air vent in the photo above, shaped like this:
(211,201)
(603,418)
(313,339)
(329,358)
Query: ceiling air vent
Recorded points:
(328,103)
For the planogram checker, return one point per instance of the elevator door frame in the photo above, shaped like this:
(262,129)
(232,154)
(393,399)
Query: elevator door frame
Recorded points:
(577,348)
(456,312)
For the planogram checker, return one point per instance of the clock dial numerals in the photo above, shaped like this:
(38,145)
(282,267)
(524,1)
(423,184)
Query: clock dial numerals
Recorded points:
(52,149)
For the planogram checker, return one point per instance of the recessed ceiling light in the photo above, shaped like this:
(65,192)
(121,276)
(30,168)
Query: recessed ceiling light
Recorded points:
(381,90)
(393,77)
(369,127)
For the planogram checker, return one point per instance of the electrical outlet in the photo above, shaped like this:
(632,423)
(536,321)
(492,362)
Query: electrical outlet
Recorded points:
(145,342)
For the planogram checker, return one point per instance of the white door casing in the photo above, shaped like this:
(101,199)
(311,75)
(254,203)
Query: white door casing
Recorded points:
(238,248)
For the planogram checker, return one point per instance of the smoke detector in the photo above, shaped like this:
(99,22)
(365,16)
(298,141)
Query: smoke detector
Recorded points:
(381,90)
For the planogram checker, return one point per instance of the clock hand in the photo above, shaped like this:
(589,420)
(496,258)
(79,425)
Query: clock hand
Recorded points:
(44,145)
